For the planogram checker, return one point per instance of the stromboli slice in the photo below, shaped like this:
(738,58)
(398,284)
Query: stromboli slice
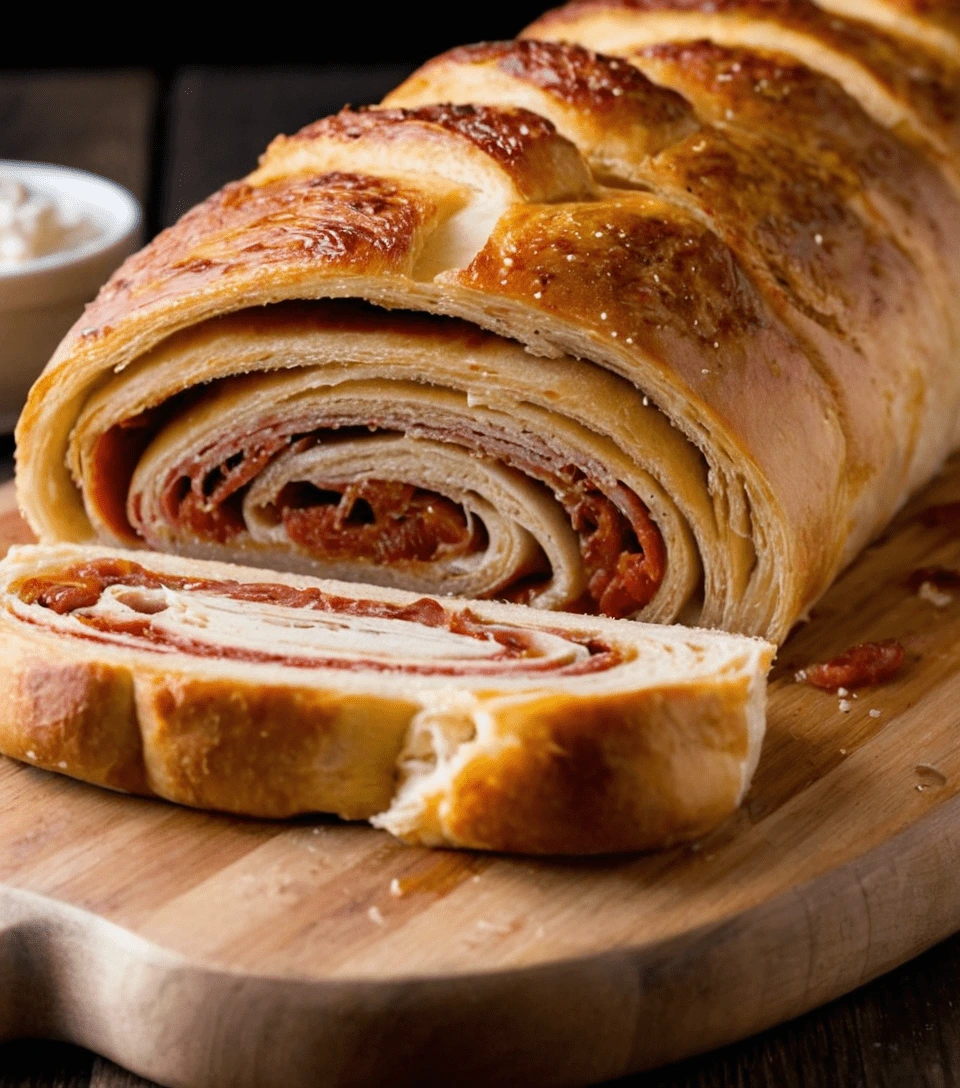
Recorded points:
(482,725)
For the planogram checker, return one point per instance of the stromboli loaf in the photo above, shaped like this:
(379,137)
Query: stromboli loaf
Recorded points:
(706,338)
(482,725)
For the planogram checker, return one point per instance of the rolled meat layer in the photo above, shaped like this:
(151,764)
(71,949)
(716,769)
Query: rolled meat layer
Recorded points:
(667,337)
(334,454)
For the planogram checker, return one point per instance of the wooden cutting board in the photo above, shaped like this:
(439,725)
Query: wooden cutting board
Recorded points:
(207,951)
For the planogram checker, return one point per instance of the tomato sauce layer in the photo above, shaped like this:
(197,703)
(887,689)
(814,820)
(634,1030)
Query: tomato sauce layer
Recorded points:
(76,591)
(390,523)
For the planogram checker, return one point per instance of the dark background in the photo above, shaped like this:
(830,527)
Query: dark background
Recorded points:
(204,33)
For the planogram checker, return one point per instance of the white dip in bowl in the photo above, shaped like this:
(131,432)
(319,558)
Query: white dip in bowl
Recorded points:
(62,232)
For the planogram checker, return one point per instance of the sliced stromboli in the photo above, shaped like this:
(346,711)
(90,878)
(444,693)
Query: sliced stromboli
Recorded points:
(669,361)
(481,725)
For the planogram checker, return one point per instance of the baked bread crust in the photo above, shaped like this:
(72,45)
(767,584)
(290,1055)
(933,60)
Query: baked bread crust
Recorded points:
(905,71)
(747,248)
(657,748)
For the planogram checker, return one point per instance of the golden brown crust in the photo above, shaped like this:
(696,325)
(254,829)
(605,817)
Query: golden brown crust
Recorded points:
(75,717)
(350,222)
(269,750)
(758,195)
(464,143)
(571,73)
(622,246)
(923,84)
(507,136)
(253,749)
(605,106)
(803,123)
(651,769)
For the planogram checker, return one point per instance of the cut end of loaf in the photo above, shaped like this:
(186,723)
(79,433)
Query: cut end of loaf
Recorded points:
(480,726)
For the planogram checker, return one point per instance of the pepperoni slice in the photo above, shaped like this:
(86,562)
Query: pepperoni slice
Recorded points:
(864,664)
(380,520)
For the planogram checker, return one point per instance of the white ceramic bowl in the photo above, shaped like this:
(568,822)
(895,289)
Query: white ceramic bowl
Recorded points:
(41,298)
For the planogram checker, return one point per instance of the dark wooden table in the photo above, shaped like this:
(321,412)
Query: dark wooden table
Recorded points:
(172,137)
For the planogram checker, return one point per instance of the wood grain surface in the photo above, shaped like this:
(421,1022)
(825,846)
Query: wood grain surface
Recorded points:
(844,861)
(901,1030)
(898,1032)
(97,121)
